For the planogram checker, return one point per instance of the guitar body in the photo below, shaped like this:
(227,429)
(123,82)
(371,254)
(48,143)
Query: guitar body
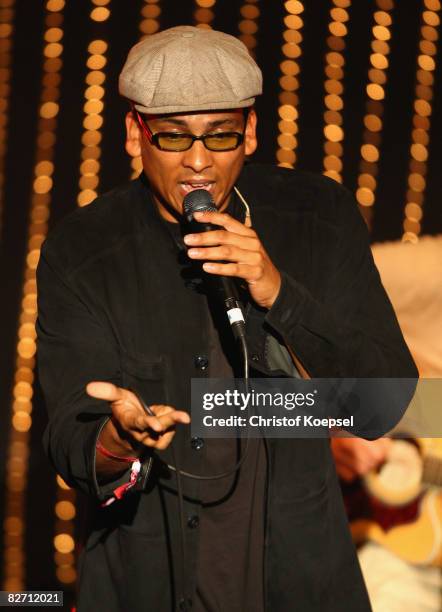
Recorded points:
(394,508)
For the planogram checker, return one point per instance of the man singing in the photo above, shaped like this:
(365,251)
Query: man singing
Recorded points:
(125,322)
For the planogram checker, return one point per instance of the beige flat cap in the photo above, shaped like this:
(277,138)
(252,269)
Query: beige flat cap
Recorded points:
(189,69)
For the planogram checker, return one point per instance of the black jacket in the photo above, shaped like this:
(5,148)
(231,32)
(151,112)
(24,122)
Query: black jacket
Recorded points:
(112,307)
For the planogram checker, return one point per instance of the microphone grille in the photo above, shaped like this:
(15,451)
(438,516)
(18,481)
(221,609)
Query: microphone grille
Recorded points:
(198,200)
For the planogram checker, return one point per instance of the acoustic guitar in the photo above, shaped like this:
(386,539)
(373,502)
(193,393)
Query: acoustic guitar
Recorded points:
(399,505)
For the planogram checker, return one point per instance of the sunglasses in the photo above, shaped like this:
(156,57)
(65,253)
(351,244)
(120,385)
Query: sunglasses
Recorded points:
(179,141)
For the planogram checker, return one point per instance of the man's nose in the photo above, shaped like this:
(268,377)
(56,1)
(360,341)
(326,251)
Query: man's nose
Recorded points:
(198,158)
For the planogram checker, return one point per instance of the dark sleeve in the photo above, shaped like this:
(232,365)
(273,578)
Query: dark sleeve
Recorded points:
(74,348)
(352,332)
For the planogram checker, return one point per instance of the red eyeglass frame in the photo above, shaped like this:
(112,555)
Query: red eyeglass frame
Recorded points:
(151,136)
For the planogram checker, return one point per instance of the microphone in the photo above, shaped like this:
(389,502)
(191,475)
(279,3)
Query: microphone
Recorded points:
(224,287)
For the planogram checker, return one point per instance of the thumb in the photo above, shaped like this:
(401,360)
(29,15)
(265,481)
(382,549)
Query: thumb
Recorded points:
(103,390)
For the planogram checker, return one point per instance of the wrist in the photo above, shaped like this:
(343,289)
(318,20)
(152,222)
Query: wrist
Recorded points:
(106,453)
(268,303)
(113,439)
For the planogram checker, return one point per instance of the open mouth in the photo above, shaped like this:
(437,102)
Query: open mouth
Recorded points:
(192,185)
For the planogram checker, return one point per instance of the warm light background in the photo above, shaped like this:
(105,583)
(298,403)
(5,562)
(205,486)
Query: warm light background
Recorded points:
(352,89)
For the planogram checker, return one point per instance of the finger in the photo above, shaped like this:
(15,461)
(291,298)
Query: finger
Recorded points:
(146,437)
(161,423)
(171,419)
(180,415)
(140,422)
(165,440)
(159,409)
(251,274)
(224,220)
(226,253)
(161,443)
(131,421)
(104,390)
(221,236)
(145,422)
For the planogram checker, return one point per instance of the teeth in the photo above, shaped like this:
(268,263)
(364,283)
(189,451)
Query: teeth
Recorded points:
(190,186)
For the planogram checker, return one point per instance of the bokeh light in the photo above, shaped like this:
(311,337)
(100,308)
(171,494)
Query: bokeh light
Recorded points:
(14,569)
(203,14)
(334,89)
(248,26)
(377,81)
(289,83)
(420,135)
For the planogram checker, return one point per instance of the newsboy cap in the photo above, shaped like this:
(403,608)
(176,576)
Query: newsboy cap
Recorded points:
(189,69)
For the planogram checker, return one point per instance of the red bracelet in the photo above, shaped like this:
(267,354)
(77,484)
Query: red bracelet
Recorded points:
(134,472)
(107,453)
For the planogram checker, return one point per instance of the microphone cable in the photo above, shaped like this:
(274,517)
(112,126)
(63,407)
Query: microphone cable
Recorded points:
(183,603)
(237,465)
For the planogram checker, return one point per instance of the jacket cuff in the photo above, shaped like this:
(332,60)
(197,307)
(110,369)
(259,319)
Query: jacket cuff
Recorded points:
(288,306)
(105,491)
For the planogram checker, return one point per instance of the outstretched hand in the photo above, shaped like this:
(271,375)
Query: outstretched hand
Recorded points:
(129,415)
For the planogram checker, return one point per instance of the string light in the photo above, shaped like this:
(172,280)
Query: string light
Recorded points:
(374,108)
(65,498)
(333,99)
(21,421)
(93,109)
(420,137)
(289,83)
(150,17)
(248,26)
(149,24)
(100,11)
(203,13)
(7,10)
(64,542)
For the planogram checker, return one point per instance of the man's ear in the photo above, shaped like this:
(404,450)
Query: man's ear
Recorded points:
(133,136)
(250,139)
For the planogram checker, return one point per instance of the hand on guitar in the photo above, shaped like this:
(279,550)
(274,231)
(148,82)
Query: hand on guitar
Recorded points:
(355,457)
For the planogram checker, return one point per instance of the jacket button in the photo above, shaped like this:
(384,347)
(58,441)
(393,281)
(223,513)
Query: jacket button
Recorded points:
(196,443)
(255,357)
(201,362)
(193,521)
(185,604)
